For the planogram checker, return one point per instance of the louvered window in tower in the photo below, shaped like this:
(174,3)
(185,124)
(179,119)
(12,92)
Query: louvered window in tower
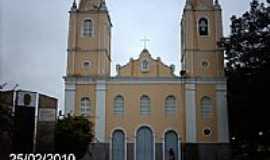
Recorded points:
(88,28)
(203,27)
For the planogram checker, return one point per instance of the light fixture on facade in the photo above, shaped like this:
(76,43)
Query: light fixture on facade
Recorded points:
(260,133)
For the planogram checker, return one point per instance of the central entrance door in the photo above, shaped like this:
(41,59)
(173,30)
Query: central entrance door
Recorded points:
(144,144)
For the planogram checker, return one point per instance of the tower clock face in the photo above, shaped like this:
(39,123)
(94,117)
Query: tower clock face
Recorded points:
(27,99)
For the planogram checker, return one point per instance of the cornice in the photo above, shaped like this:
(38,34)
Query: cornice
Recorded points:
(143,80)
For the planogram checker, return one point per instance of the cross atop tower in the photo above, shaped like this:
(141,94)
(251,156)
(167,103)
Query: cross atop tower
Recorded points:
(145,40)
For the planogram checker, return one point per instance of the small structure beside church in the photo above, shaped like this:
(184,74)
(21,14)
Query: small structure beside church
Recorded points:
(34,118)
(146,112)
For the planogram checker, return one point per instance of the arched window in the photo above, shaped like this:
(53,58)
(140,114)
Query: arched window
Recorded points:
(88,28)
(85,106)
(203,27)
(145,103)
(206,108)
(118,145)
(118,105)
(170,104)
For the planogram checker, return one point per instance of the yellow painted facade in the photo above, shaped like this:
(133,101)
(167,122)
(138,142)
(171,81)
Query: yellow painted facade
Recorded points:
(158,119)
(88,76)
(210,91)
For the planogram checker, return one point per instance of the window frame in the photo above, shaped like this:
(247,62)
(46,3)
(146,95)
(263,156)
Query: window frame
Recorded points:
(115,107)
(208,26)
(85,109)
(145,106)
(206,108)
(91,29)
(170,108)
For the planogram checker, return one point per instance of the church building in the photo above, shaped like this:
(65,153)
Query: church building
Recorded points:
(146,111)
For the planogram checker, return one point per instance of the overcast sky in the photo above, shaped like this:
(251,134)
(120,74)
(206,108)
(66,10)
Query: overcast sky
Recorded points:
(33,37)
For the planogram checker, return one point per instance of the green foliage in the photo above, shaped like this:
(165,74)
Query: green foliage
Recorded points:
(6,120)
(248,45)
(73,135)
(6,130)
(247,53)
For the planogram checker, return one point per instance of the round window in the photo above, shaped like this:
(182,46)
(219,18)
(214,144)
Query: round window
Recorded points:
(205,64)
(207,132)
(86,64)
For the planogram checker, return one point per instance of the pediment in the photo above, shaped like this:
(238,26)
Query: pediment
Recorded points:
(145,66)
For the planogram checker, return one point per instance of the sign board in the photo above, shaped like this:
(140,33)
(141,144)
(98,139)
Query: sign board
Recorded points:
(47,115)
(47,102)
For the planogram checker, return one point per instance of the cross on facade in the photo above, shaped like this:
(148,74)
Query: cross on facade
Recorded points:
(145,40)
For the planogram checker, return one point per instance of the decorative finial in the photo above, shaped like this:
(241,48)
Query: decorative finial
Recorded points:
(172,67)
(188,4)
(74,6)
(217,5)
(118,67)
(103,6)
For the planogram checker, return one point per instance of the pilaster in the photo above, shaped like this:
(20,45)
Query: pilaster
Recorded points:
(191,126)
(222,112)
(70,89)
(100,110)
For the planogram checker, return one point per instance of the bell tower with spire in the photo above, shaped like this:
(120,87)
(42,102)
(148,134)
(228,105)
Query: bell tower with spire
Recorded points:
(201,27)
(89,41)
(206,87)
(88,52)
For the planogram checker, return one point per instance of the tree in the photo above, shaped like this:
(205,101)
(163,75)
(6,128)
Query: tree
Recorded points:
(6,129)
(248,45)
(247,54)
(73,135)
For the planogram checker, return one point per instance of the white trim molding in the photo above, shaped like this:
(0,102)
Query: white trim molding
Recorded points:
(191,125)
(100,110)
(222,113)
(70,89)
(132,80)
